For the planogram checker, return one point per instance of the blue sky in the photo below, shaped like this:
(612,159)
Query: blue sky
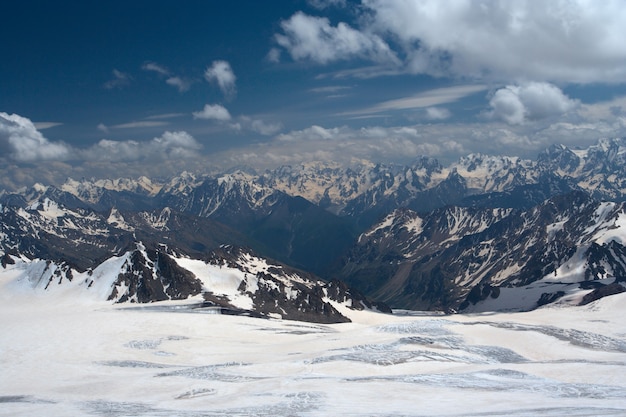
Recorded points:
(109,89)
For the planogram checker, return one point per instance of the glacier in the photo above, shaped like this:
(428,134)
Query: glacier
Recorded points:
(64,355)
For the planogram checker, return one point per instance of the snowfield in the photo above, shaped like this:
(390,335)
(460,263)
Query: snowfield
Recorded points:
(63,356)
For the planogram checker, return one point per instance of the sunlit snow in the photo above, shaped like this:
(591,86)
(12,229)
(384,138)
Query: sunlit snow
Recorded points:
(61,356)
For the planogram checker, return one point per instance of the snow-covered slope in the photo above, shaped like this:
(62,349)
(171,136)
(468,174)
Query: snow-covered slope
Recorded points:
(63,358)
(230,280)
(155,256)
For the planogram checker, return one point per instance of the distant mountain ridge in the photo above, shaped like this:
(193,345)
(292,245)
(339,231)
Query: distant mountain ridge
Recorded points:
(599,170)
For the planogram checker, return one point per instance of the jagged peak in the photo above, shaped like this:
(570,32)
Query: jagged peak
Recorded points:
(93,187)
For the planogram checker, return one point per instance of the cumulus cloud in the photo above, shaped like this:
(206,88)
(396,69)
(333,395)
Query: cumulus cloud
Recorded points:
(575,41)
(240,123)
(314,38)
(221,73)
(169,145)
(21,141)
(563,41)
(314,133)
(531,101)
(212,112)
(120,80)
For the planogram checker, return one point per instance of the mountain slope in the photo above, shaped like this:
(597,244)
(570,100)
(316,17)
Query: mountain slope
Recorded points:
(454,258)
(287,228)
(156,256)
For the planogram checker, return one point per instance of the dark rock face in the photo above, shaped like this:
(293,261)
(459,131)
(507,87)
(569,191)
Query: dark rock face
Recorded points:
(155,278)
(287,292)
(480,293)
(340,292)
(547,298)
(606,260)
(601,292)
(273,296)
(6,260)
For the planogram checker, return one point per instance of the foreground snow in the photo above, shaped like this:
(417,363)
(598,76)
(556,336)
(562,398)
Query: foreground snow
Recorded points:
(64,357)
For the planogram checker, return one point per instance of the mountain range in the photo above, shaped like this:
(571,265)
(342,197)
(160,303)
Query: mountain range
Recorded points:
(484,232)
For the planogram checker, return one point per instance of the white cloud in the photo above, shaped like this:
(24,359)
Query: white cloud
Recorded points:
(575,41)
(170,145)
(563,41)
(530,101)
(437,113)
(607,111)
(181,84)
(103,128)
(120,80)
(330,89)
(273,55)
(221,73)
(165,116)
(314,38)
(140,124)
(21,141)
(46,125)
(424,99)
(240,123)
(212,112)
(246,123)
(508,106)
(159,69)
(312,133)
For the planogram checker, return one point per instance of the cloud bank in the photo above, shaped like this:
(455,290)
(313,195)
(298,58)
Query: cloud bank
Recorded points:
(20,141)
(314,38)
(574,41)
(530,101)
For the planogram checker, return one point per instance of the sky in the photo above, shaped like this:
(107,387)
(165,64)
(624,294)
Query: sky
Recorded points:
(122,89)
